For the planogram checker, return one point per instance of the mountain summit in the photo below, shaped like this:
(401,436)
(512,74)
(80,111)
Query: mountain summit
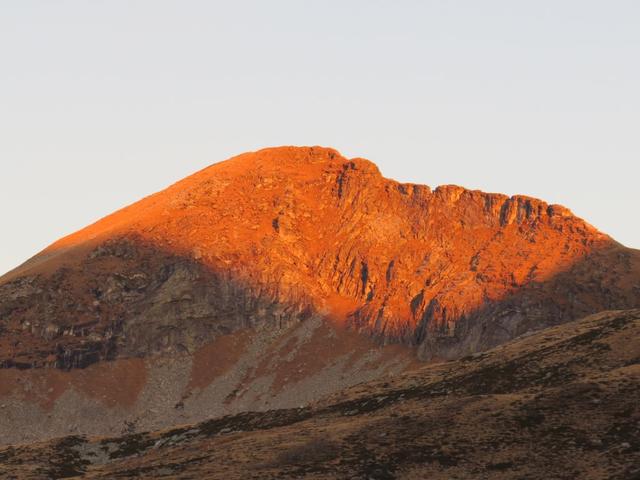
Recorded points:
(291,268)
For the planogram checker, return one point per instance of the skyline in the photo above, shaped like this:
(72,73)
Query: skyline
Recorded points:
(104,104)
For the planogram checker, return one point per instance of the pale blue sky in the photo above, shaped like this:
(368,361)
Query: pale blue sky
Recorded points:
(103,102)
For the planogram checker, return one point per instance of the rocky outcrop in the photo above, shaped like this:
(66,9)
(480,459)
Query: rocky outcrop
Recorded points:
(134,301)
(277,278)
(276,236)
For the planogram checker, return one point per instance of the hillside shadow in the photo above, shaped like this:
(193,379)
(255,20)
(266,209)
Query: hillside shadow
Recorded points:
(606,279)
(129,297)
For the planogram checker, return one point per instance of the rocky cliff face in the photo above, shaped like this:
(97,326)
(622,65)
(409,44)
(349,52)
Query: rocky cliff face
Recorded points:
(281,235)
(276,278)
(127,299)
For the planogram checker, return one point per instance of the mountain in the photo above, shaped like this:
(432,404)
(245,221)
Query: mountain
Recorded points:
(560,403)
(276,278)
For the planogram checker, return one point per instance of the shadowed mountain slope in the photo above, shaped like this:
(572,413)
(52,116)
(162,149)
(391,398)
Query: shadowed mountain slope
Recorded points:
(313,232)
(561,403)
(275,278)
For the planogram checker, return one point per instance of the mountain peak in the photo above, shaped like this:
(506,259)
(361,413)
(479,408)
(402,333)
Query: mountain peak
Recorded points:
(306,219)
(283,275)
(291,160)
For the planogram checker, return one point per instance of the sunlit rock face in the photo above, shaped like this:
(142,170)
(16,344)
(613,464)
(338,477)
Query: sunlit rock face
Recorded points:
(276,278)
(283,234)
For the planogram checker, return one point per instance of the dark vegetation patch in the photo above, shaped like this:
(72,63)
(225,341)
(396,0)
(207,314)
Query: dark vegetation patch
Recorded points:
(138,443)
(158,471)
(367,461)
(7,455)
(500,466)
(530,418)
(633,361)
(129,445)
(311,457)
(250,421)
(624,435)
(382,451)
(65,461)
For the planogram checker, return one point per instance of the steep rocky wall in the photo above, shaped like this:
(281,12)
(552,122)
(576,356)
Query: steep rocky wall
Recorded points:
(130,301)
(279,235)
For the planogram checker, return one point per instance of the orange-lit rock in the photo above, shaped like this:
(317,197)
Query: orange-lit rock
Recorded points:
(276,278)
(285,233)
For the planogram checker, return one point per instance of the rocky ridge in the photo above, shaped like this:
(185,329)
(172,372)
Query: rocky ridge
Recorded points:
(282,234)
(234,281)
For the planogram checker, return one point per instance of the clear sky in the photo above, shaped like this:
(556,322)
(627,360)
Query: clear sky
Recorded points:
(104,102)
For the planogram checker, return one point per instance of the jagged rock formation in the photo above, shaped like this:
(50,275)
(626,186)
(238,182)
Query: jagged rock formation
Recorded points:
(561,403)
(270,241)
(281,234)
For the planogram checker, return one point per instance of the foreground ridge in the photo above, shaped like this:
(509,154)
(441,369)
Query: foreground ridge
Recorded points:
(560,403)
